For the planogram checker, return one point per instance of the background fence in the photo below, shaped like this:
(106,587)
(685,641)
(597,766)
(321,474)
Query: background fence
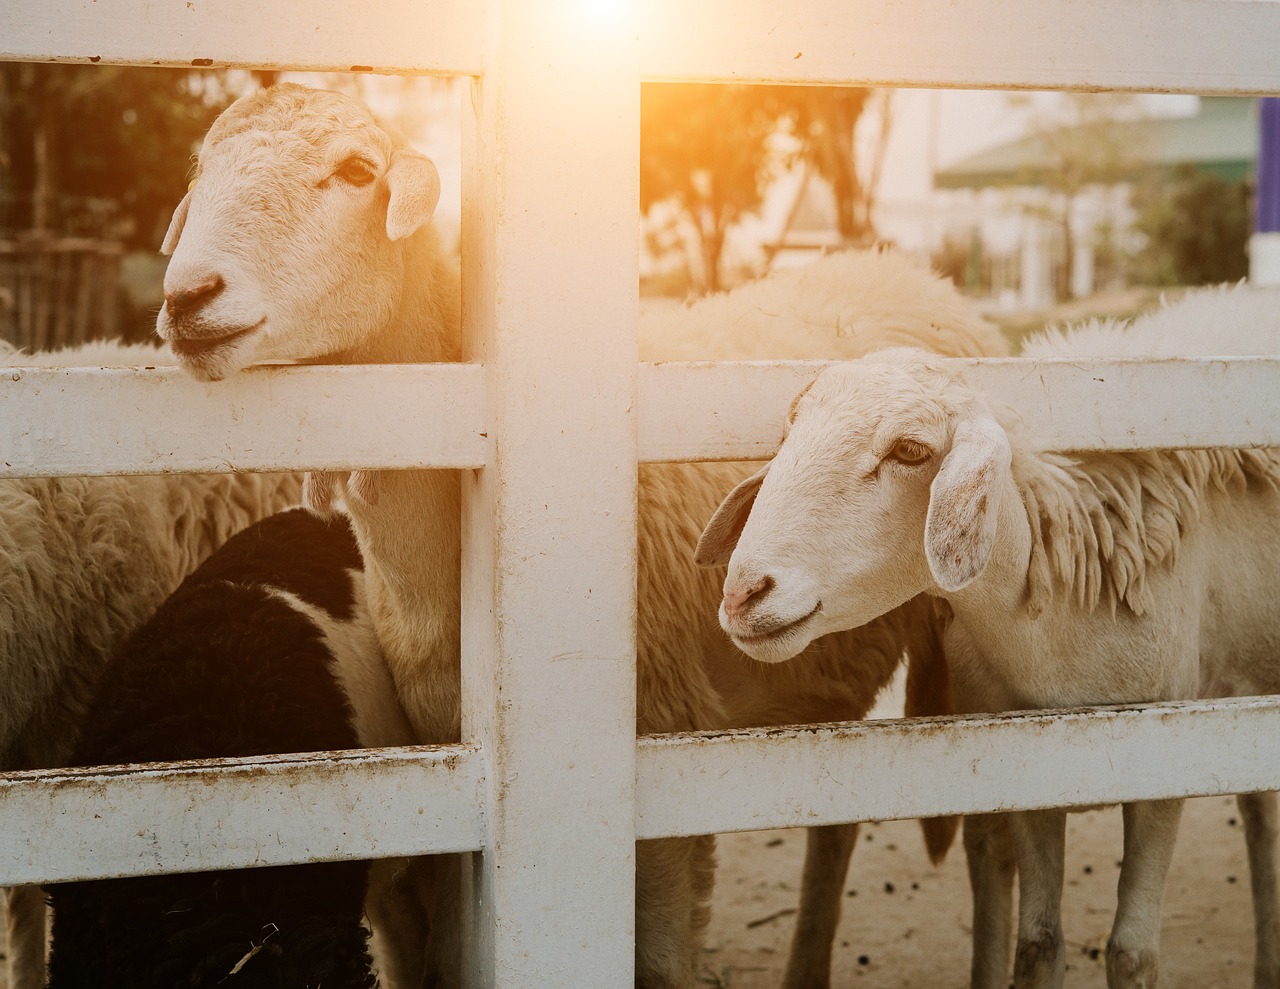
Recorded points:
(57,292)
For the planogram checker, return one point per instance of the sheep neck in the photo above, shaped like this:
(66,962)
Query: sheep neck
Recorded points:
(411,538)
(983,606)
(411,541)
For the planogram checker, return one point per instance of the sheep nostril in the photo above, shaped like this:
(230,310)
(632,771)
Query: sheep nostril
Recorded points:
(187,300)
(736,601)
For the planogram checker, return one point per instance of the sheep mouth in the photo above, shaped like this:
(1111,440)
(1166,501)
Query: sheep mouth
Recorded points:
(779,632)
(196,348)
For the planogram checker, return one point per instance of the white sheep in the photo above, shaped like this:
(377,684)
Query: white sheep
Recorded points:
(347,268)
(1072,580)
(83,560)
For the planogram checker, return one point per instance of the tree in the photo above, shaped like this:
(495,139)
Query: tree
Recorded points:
(1197,229)
(825,119)
(1085,140)
(711,150)
(101,150)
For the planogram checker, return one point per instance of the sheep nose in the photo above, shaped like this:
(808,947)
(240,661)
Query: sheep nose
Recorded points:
(187,299)
(736,601)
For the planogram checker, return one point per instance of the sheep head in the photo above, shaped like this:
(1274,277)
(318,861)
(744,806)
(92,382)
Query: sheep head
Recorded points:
(886,486)
(289,244)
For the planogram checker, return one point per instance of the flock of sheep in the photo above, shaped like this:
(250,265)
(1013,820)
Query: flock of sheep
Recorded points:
(903,519)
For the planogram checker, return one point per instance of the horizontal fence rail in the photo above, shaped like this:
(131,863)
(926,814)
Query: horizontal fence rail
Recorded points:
(735,411)
(69,421)
(747,780)
(403,36)
(1201,46)
(389,802)
(400,416)
(238,813)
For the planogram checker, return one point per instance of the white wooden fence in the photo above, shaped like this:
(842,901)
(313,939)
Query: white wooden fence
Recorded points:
(549,784)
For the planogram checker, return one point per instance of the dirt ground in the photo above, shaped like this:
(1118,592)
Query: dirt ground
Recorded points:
(905,924)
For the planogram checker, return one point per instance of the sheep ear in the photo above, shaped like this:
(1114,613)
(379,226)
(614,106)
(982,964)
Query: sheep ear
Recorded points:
(170,242)
(960,529)
(415,190)
(718,539)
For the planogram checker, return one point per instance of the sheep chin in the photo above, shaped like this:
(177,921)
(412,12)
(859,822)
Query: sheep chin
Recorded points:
(780,643)
(213,360)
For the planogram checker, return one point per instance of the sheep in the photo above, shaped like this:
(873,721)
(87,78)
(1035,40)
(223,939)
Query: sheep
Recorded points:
(83,560)
(367,283)
(267,647)
(1070,580)
(840,307)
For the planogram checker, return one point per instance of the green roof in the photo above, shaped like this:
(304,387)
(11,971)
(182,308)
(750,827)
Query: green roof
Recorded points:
(1221,138)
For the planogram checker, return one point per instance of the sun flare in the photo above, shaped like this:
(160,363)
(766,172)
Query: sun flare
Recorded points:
(603,13)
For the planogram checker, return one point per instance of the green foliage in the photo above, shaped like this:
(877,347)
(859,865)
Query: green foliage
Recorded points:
(706,148)
(712,149)
(99,150)
(1197,229)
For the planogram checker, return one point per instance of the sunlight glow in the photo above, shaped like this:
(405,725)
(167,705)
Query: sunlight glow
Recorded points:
(604,13)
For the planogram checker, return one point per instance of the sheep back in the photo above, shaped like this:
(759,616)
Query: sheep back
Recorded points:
(228,666)
(1102,522)
(841,307)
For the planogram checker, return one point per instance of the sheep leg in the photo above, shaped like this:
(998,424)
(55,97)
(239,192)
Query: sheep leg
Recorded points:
(441,878)
(827,851)
(1258,812)
(988,847)
(1150,831)
(27,936)
(1039,841)
(397,912)
(674,877)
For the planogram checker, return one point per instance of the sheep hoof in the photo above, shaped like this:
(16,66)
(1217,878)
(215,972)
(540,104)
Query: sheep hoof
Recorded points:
(1131,969)
(1040,963)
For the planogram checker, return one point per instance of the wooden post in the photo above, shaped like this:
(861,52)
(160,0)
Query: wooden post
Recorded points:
(550,254)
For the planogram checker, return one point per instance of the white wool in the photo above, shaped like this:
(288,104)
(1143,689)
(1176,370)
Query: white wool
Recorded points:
(1100,521)
(842,306)
(1227,321)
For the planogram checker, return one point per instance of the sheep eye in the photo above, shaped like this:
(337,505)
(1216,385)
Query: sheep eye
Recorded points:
(910,453)
(356,171)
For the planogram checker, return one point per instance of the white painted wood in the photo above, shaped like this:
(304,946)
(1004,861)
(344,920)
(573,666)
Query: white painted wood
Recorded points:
(550,296)
(69,421)
(436,36)
(1177,45)
(239,813)
(211,814)
(790,777)
(736,411)
(1202,46)
(159,421)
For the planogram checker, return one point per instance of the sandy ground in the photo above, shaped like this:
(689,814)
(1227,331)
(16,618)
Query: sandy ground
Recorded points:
(906,924)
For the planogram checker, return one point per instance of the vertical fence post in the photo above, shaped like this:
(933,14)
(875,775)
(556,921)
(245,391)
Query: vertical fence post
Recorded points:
(550,294)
